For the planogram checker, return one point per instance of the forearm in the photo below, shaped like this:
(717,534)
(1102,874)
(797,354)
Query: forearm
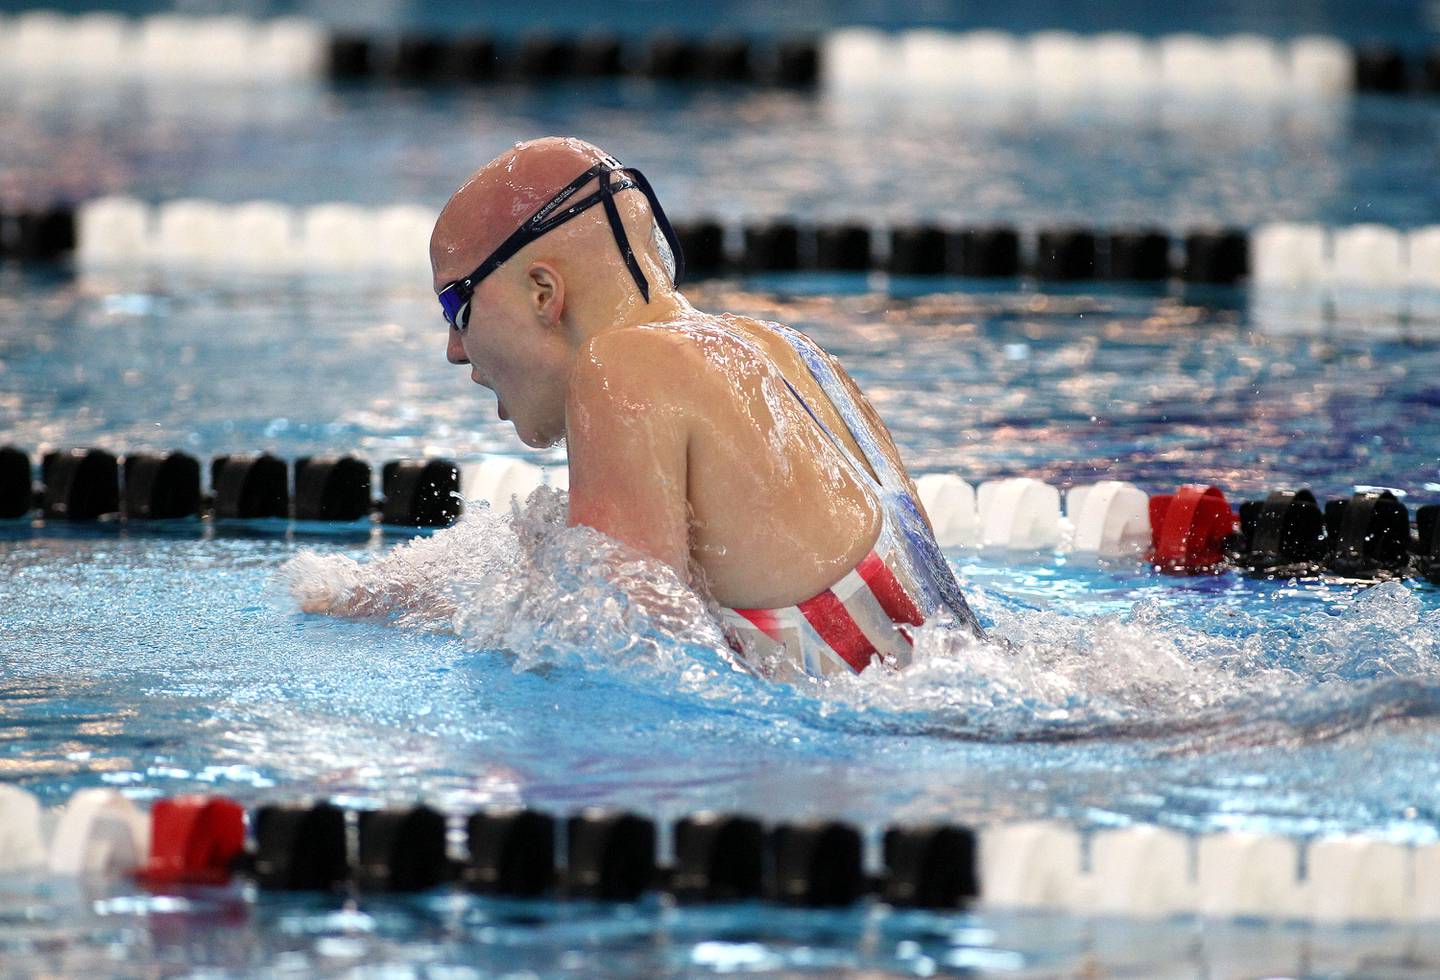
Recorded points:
(408,579)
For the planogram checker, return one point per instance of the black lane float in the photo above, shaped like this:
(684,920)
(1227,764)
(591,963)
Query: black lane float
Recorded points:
(609,855)
(80,484)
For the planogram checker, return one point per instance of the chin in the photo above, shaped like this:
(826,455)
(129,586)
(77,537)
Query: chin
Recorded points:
(533,440)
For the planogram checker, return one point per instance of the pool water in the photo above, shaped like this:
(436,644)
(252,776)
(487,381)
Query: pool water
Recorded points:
(173,659)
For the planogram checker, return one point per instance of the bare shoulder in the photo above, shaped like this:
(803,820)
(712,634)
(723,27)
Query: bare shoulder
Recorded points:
(671,360)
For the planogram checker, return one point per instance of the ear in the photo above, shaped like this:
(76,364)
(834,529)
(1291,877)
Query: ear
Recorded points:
(547,292)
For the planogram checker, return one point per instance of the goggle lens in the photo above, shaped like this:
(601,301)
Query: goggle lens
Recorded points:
(455,307)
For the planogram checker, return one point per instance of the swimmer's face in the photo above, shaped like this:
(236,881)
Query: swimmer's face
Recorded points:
(514,349)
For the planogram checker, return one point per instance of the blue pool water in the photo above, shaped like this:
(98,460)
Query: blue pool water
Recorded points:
(172,660)
(165,662)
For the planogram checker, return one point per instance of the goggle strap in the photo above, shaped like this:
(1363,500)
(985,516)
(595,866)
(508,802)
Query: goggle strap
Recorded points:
(547,219)
(663,221)
(622,240)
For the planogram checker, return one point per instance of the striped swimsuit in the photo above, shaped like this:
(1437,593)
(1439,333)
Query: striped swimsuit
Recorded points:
(901,583)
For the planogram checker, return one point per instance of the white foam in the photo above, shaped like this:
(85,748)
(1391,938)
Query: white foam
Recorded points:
(522,581)
(518,579)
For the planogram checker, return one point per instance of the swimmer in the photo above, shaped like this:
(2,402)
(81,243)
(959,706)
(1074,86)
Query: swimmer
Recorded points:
(735,451)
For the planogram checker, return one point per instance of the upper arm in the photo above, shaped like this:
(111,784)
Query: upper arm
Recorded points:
(627,433)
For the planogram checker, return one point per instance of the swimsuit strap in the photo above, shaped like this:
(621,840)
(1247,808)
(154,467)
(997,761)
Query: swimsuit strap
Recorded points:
(840,445)
(897,506)
(844,403)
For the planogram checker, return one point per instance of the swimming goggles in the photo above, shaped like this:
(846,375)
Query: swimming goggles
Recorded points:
(455,298)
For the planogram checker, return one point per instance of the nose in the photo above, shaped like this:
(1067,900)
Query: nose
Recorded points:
(454,350)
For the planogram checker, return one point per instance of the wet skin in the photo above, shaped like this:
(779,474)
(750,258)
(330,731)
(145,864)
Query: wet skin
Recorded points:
(683,440)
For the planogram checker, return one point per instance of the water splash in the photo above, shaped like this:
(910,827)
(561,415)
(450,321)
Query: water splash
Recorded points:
(569,597)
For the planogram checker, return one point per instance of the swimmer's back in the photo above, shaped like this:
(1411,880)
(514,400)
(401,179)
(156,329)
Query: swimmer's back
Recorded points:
(772,511)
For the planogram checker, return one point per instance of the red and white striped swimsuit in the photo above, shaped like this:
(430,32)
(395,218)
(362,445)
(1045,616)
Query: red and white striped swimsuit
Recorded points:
(867,613)
(872,611)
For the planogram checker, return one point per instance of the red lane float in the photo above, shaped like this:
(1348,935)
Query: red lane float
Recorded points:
(1190,527)
(194,840)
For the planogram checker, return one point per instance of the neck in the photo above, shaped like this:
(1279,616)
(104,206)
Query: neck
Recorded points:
(620,312)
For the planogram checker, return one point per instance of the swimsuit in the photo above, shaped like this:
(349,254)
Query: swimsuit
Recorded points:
(902,582)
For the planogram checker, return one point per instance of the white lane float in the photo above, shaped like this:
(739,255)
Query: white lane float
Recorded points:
(1425,867)
(1358,879)
(950,504)
(1019,513)
(162,47)
(860,59)
(927,59)
(1190,65)
(1321,66)
(1141,871)
(497,480)
(1422,247)
(1110,519)
(261,237)
(1289,269)
(1289,254)
(991,61)
(22,845)
(1033,865)
(100,832)
(1254,67)
(190,232)
(1243,874)
(1060,63)
(288,48)
(402,234)
(1124,64)
(112,231)
(338,236)
(98,44)
(1368,272)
